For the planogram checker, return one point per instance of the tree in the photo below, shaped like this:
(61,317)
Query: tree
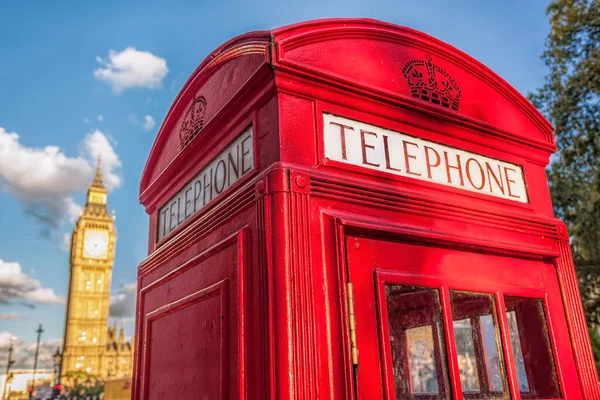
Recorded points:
(82,384)
(570,99)
(595,338)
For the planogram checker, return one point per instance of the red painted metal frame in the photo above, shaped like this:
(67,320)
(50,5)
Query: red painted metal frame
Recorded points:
(143,354)
(381,277)
(444,285)
(220,289)
(290,218)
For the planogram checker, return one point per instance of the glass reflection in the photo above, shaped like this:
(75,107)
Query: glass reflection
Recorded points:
(467,361)
(423,375)
(477,338)
(417,343)
(534,361)
(492,358)
(517,351)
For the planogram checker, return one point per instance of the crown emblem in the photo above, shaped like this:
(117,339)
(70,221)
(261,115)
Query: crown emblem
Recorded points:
(193,121)
(431,83)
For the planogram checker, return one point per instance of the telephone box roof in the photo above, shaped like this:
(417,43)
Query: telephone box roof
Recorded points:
(344,53)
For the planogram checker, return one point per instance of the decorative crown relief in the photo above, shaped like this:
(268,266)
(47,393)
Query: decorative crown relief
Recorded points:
(193,121)
(431,83)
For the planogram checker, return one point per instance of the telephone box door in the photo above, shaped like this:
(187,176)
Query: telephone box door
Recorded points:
(439,323)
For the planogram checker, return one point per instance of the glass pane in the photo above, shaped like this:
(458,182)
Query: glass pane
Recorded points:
(517,351)
(536,372)
(492,358)
(478,350)
(423,375)
(467,363)
(417,342)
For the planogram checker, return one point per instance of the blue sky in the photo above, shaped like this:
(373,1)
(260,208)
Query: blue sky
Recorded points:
(50,96)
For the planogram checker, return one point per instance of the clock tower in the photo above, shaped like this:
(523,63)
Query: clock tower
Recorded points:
(92,257)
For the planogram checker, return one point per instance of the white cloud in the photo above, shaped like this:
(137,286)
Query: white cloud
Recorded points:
(74,211)
(100,118)
(66,241)
(24,353)
(147,124)
(6,339)
(45,355)
(131,68)
(12,315)
(122,304)
(44,179)
(98,144)
(18,286)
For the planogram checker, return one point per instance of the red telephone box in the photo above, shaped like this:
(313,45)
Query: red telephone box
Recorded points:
(348,209)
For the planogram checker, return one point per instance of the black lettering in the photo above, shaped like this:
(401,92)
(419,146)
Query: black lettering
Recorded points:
(407,157)
(164,224)
(179,211)
(197,192)
(231,165)
(244,153)
(209,186)
(187,201)
(342,136)
(221,162)
(498,179)
(509,181)
(172,217)
(428,160)
(386,149)
(364,146)
(470,178)
(458,167)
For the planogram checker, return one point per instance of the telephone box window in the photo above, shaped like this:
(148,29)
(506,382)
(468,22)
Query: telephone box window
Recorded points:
(417,342)
(467,361)
(478,347)
(421,360)
(492,358)
(517,350)
(532,352)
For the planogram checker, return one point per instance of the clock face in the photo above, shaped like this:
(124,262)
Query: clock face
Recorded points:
(95,244)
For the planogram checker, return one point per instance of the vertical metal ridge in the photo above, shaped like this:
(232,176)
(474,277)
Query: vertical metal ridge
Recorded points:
(305,358)
(263,293)
(582,350)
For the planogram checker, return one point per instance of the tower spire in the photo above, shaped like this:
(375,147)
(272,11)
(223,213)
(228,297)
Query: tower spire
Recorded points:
(122,334)
(97,190)
(98,182)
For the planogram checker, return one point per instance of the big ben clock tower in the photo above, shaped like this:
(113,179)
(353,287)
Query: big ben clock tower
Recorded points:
(92,257)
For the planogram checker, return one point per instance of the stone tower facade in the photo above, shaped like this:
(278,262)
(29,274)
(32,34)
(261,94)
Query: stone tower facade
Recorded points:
(89,344)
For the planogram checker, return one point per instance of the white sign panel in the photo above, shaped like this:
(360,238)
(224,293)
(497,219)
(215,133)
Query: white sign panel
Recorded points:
(369,146)
(225,170)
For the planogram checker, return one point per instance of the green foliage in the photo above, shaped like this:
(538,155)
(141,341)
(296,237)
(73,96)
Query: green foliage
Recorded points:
(82,384)
(570,99)
(595,337)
